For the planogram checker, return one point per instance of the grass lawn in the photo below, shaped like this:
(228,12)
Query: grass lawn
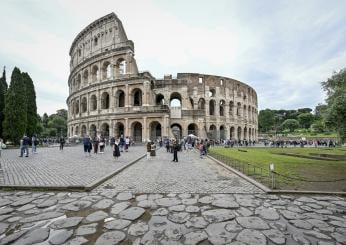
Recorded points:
(297,167)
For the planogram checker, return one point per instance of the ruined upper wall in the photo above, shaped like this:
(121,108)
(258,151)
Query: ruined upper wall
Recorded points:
(102,35)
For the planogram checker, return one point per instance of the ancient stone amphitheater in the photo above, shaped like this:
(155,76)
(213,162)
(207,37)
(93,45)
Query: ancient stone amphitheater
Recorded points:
(108,95)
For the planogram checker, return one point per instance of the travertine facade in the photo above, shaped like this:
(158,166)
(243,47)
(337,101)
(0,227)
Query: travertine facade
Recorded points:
(109,96)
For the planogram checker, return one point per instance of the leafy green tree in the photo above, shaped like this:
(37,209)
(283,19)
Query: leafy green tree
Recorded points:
(266,120)
(59,123)
(304,110)
(62,113)
(32,122)
(336,102)
(45,120)
(3,90)
(290,124)
(15,122)
(318,126)
(306,119)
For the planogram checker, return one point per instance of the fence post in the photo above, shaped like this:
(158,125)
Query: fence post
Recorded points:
(271,167)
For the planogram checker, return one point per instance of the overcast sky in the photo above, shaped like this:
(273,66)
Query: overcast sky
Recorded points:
(282,48)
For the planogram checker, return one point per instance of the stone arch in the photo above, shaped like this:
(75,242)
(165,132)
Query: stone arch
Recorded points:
(222,108)
(231,108)
(175,100)
(222,132)
(238,109)
(137,97)
(78,81)
(84,105)
(104,130)
(85,76)
(232,133)
(120,98)
(159,99)
(76,109)
(177,130)
(106,70)
(105,100)
(155,130)
(192,128)
(212,132)
(244,111)
(239,133)
(136,131)
(245,133)
(76,130)
(212,92)
(84,130)
(212,107)
(95,73)
(249,113)
(121,66)
(92,130)
(119,129)
(93,102)
(201,104)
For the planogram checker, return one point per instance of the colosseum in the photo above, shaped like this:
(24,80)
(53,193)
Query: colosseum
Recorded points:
(109,96)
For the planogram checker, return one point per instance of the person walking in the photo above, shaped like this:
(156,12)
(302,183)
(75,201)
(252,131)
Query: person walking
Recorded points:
(148,146)
(62,142)
(116,151)
(96,141)
(87,145)
(152,150)
(121,143)
(176,148)
(102,145)
(25,146)
(127,143)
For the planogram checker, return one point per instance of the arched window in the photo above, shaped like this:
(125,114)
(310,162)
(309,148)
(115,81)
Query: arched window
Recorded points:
(105,100)
(238,108)
(84,104)
(120,98)
(201,104)
(93,103)
(121,66)
(84,130)
(104,130)
(95,41)
(222,109)
(137,97)
(212,92)
(76,107)
(78,81)
(160,99)
(95,73)
(106,70)
(85,76)
(231,106)
(175,100)
(212,107)
(244,111)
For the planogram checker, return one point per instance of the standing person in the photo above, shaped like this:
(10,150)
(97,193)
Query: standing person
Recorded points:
(121,143)
(25,146)
(148,149)
(152,150)
(201,149)
(87,145)
(112,142)
(167,145)
(176,148)
(116,152)
(127,143)
(33,144)
(62,142)
(96,141)
(102,145)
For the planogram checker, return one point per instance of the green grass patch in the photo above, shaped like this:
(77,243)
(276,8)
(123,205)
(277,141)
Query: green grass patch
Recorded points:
(296,167)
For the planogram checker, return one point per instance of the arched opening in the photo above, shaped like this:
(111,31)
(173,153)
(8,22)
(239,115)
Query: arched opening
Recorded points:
(231,134)
(160,99)
(121,66)
(175,100)
(245,133)
(93,102)
(238,108)
(106,70)
(85,76)
(95,73)
(137,97)
(137,132)
(92,131)
(84,104)
(222,133)
(222,108)
(201,104)
(73,108)
(212,92)
(212,132)
(76,131)
(244,111)
(177,131)
(120,98)
(231,108)
(119,130)
(239,133)
(78,81)
(76,109)
(104,130)
(84,130)
(105,100)
(155,131)
(250,133)
(249,114)
(192,129)
(71,132)
(212,107)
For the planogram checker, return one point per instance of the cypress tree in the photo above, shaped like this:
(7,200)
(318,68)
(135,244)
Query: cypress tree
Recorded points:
(31,126)
(3,89)
(15,122)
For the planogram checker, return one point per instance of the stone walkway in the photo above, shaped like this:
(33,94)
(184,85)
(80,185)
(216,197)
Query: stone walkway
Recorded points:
(53,168)
(190,175)
(108,217)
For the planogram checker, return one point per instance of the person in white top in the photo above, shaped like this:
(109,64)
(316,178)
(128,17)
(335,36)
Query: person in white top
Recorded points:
(127,143)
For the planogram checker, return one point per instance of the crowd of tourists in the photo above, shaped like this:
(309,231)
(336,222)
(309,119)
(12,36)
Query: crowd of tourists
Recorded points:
(300,143)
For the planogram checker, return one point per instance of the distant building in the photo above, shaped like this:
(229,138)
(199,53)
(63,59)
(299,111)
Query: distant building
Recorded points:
(108,95)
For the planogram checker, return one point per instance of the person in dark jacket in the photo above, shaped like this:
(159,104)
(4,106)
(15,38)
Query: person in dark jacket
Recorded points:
(25,146)
(116,151)
(62,143)
(176,148)
(148,149)
(87,144)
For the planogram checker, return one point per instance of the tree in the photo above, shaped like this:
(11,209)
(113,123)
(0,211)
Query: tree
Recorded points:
(266,120)
(3,90)
(336,103)
(304,110)
(306,119)
(290,124)
(15,122)
(45,120)
(32,122)
(320,110)
(318,126)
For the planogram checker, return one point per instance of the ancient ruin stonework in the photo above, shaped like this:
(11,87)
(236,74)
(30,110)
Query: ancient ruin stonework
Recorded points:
(108,95)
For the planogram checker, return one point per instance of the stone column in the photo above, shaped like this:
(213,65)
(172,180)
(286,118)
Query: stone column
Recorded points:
(126,127)
(145,130)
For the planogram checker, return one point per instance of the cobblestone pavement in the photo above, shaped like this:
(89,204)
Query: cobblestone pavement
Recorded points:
(51,167)
(108,217)
(190,175)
